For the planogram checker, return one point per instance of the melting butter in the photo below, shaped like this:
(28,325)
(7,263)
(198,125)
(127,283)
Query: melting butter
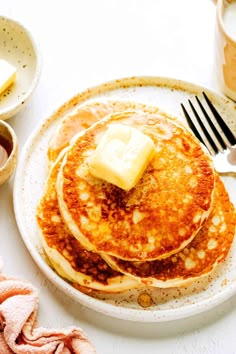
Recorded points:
(122,156)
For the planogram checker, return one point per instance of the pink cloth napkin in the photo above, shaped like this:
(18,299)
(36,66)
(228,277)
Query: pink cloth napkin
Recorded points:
(18,331)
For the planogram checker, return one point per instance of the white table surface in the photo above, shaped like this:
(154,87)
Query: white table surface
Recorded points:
(85,43)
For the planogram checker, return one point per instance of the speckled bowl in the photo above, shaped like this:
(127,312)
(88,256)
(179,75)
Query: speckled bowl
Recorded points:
(19,49)
(8,136)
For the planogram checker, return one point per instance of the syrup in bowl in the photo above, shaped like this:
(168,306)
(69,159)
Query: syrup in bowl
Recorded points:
(5,150)
(8,151)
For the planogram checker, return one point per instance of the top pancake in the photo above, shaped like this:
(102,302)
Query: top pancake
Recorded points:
(156,218)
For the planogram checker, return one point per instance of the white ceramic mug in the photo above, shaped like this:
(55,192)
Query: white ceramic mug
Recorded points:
(226,46)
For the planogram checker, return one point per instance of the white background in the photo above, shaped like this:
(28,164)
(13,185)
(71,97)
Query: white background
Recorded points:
(85,43)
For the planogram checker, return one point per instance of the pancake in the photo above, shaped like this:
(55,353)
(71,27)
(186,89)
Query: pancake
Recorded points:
(67,255)
(160,215)
(209,248)
(84,116)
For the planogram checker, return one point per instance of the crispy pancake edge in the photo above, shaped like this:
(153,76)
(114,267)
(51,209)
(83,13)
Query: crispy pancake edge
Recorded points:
(113,284)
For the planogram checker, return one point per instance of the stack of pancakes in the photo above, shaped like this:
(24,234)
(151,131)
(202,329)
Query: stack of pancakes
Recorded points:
(172,228)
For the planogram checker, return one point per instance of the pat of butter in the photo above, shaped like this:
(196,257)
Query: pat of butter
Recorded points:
(7,75)
(122,156)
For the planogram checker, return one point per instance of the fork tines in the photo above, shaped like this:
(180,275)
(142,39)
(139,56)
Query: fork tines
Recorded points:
(213,132)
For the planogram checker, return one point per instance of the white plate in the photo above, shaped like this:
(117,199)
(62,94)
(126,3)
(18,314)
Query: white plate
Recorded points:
(168,304)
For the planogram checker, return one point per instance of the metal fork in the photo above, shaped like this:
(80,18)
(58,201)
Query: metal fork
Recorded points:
(214,133)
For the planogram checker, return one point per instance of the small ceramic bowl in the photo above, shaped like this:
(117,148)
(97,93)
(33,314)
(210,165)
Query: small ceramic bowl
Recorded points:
(8,151)
(19,49)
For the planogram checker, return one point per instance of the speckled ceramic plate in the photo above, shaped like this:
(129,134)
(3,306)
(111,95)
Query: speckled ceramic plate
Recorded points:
(167,304)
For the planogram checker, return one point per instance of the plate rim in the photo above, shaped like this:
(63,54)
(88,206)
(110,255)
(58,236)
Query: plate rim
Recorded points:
(140,315)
